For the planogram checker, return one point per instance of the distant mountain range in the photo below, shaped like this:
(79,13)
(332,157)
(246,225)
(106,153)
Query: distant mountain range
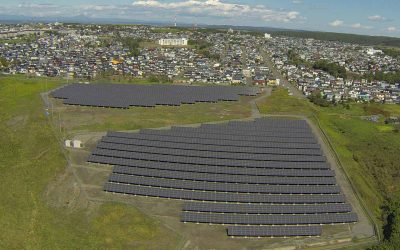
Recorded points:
(74,19)
(329,36)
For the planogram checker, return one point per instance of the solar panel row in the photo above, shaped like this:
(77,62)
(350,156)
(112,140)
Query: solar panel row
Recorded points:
(104,148)
(112,160)
(252,144)
(229,137)
(276,219)
(212,207)
(252,126)
(113,142)
(203,157)
(274,231)
(222,197)
(224,178)
(221,187)
(124,96)
(206,161)
(247,132)
(212,169)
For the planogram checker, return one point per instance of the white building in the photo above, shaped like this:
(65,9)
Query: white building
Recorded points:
(73,144)
(267,36)
(173,42)
(372,51)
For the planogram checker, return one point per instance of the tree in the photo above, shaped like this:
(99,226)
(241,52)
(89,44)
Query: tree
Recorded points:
(331,68)
(391,230)
(4,62)
(132,44)
(316,98)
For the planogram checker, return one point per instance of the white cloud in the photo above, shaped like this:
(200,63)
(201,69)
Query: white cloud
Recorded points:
(360,26)
(217,8)
(377,18)
(297,1)
(336,23)
(391,29)
(340,23)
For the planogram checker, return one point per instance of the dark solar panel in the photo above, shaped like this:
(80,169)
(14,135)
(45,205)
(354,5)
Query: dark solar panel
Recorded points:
(123,144)
(120,150)
(261,172)
(276,219)
(221,187)
(124,95)
(222,197)
(213,207)
(218,169)
(208,141)
(112,160)
(274,231)
(225,178)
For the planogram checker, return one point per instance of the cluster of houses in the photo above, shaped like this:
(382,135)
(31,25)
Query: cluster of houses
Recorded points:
(91,51)
(356,59)
(185,55)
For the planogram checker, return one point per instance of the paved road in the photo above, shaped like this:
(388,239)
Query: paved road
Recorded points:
(283,82)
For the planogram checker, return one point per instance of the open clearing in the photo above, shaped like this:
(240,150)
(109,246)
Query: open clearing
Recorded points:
(89,124)
(32,215)
(50,206)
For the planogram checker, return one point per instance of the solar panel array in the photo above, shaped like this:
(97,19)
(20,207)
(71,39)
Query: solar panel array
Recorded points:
(266,177)
(124,95)
(277,231)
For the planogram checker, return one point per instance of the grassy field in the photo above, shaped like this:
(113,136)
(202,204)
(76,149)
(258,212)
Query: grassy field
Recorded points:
(368,151)
(103,119)
(281,103)
(31,158)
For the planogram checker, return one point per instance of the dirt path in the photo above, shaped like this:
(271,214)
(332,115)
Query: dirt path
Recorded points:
(255,111)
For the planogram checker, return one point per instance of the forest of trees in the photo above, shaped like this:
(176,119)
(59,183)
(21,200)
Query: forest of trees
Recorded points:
(317,99)
(332,68)
(295,59)
(132,44)
(391,231)
(350,38)
(203,48)
(393,77)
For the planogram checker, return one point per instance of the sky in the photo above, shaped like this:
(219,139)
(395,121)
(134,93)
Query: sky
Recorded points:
(370,17)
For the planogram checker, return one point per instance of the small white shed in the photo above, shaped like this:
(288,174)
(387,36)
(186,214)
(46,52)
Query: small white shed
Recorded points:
(73,144)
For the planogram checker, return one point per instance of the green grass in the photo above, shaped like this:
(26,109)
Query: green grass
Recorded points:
(368,151)
(281,103)
(30,159)
(103,119)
